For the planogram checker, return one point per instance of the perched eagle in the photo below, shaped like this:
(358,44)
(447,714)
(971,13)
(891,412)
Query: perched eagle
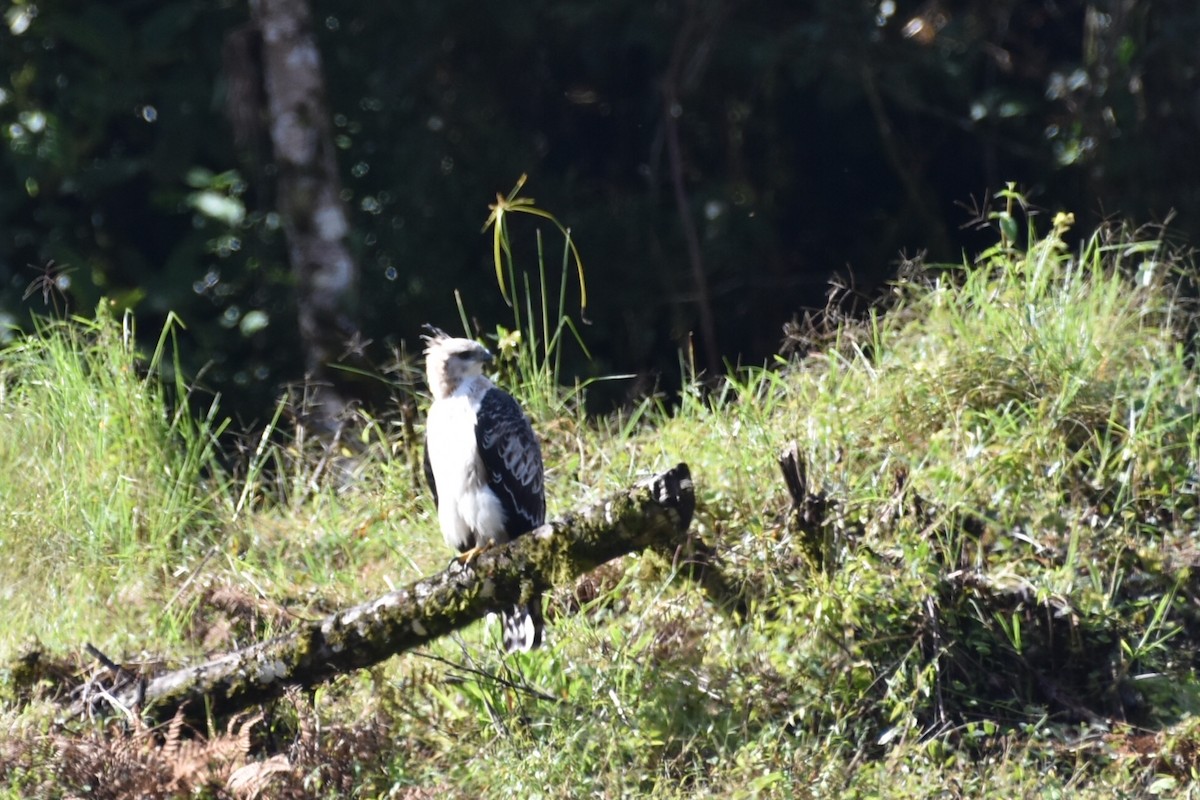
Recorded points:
(483,464)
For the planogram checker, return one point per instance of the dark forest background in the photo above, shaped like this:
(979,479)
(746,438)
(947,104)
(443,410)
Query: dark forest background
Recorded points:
(712,158)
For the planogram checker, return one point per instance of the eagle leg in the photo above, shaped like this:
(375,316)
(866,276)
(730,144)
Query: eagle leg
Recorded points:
(467,556)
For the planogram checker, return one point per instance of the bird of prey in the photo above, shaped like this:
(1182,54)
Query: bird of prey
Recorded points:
(483,464)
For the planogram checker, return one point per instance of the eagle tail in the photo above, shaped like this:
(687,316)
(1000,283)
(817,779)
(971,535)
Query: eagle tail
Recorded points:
(523,626)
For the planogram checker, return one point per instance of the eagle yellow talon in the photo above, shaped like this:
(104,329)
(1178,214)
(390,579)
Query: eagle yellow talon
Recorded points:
(467,556)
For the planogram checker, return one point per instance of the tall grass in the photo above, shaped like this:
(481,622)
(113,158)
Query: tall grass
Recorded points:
(531,351)
(1015,375)
(108,479)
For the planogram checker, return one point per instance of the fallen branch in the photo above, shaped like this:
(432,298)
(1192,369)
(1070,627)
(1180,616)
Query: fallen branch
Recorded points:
(654,514)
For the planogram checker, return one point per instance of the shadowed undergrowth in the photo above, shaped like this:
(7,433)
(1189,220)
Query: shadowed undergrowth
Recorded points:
(997,600)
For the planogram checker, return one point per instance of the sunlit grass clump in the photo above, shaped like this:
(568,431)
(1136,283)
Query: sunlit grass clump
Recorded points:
(107,480)
(1011,446)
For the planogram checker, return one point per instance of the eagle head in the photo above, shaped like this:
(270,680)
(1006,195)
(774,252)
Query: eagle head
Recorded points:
(450,360)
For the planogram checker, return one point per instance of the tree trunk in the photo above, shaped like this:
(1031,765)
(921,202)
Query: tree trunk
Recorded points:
(314,217)
(653,514)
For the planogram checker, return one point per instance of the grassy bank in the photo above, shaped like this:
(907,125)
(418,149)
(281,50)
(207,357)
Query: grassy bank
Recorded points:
(999,598)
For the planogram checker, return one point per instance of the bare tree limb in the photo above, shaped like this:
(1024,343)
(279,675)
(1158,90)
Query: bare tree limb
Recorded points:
(654,514)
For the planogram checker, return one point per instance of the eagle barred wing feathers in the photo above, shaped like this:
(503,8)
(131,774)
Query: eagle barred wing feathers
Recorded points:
(513,460)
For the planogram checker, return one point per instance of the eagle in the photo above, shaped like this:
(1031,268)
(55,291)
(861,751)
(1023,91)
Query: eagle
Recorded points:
(483,464)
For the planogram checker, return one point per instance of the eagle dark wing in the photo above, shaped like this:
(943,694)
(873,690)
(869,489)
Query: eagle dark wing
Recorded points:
(512,457)
(429,474)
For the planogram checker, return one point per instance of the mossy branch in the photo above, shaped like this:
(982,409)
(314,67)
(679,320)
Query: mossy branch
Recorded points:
(654,514)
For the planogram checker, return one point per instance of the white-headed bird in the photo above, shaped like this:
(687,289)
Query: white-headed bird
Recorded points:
(483,464)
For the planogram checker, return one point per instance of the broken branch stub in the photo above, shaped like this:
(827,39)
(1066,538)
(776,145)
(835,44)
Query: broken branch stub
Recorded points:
(653,514)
